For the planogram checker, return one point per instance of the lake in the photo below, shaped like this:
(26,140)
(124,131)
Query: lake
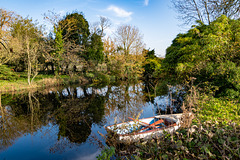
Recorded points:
(63,122)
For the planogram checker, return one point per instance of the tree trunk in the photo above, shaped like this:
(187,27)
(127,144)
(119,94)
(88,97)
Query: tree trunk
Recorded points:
(29,64)
(198,12)
(207,12)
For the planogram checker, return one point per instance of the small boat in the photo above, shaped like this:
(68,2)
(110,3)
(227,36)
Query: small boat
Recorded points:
(145,128)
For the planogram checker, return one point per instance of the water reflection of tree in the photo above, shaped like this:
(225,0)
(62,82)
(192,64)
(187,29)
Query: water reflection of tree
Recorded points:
(74,110)
(153,88)
(26,113)
(15,125)
(76,115)
(171,97)
(125,100)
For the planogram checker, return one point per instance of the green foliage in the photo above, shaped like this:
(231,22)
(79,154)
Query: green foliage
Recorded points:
(210,53)
(101,78)
(90,75)
(28,36)
(77,28)
(7,74)
(106,153)
(59,48)
(206,141)
(58,41)
(98,78)
(95,49)
(25,28)
(152,65)
(218,110)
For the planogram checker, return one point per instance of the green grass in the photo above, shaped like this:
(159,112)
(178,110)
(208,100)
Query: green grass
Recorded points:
(218,110)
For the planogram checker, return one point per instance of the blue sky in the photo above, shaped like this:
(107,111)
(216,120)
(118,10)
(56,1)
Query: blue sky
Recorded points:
(154,18)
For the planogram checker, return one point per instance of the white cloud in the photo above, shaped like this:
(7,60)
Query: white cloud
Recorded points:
(146,2)
(119,11)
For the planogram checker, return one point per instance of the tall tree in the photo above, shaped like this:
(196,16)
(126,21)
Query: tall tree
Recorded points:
(206,11)
(6,20)
(129,40)
(61,50)
(95,49)
(29,37)
(78,29)
(104,24)
(152,65)
(127,59)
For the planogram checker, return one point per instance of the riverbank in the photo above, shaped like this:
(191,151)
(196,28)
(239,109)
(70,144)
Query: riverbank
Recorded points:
(42,81)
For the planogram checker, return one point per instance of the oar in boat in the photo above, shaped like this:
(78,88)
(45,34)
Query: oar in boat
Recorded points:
(146,124)
(152,125)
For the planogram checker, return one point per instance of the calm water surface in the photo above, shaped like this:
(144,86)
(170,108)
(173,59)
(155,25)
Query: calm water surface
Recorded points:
(63,123)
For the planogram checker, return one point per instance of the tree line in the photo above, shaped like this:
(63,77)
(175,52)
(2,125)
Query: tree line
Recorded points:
(209,51)
(72,46)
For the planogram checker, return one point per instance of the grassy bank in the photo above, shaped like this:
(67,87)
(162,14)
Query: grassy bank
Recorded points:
(41,81)
(19,82)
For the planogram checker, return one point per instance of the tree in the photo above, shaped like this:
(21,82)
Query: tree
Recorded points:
(62,51)
(95,49)
(104,24)
(152,65)
(127,58)
(100,27)
(77,30)
(129,40)
(206,11)
(209,53)
(6,20)
(29,37)
(59,47)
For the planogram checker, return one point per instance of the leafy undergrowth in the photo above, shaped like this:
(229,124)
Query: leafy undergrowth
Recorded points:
(219,110)
(214,134)
(202,141)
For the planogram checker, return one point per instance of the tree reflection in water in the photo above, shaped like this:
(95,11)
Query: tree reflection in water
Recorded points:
(72,110)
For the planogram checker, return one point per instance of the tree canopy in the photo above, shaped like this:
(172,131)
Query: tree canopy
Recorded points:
(77,30)
(210,53)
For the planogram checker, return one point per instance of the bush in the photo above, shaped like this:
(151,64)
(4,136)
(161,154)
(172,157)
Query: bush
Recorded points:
(201,141)
(209,53)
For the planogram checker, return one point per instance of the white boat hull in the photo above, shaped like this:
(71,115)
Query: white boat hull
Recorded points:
(124,135)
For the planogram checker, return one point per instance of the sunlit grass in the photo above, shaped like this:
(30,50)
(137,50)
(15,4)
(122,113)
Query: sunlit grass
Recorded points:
(41,80)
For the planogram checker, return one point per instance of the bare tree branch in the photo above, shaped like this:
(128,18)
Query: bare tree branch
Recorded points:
(205,11)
